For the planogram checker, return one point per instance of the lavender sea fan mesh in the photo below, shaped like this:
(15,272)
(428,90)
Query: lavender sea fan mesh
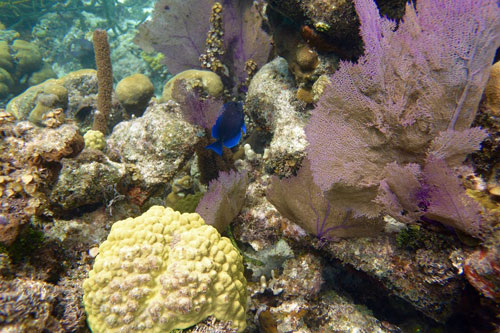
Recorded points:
(197,110)
(244,38)
(224,199)
(178,30)
(405,90)
(448,201)
(301,201)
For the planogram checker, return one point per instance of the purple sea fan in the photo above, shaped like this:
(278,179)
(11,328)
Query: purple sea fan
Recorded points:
(448,201)
(301,201)
(224,199)
(178,30)
(415,81)
(244,39)
(196,109)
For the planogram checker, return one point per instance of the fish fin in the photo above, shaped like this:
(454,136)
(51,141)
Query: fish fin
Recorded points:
(216,147)
(243,128)
(230,143)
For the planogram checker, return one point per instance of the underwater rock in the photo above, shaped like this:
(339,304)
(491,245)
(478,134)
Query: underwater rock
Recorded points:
(76,185)
(28,306)
(52,144)
(327,26)
(208,81)
(304,62)
(272,105)
(134,93)
(25,152)
(429,279)
(482,269)
(75,92)
(159,143)
(272,258)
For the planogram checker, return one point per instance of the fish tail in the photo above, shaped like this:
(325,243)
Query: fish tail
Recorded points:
(216,147)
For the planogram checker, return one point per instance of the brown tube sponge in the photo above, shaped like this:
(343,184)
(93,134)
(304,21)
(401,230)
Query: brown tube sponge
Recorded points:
(104,80)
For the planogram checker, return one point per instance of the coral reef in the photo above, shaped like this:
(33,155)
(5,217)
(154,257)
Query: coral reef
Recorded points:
(28,305)
(271,104)
(134,93)
(21,66)
(76,183)
(208,81)
(159,143)
(164,271)
(75,92)
(335,141)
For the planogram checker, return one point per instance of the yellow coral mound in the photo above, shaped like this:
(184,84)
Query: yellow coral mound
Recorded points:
(94,139)
(163,271)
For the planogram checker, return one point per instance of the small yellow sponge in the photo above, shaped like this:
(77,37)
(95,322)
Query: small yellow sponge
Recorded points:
(163,271)
(94,139)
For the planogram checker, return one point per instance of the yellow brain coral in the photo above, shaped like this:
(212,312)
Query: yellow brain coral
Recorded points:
(163,271)
(94,139)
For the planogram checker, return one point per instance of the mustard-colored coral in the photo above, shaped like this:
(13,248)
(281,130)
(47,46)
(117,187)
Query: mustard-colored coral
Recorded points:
(94,139)
(492,90)
(163,271)
(210,82)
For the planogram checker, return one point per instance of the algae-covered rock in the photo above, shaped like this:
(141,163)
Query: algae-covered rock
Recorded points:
(210,82)
(271,102)
(86,180)
(134,93)
(27,56)
(159,143)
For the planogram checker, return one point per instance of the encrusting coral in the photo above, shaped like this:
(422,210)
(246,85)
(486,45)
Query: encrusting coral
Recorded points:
(163,271)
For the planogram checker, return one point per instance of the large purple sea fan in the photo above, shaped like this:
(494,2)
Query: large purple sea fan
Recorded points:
(301,201)
(224,199)
(179,30)
(448,202)
(415,81)
(408,193)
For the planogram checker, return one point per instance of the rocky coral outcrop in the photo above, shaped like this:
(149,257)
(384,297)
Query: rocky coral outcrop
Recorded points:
(88,179)
(272,105)
(159,143)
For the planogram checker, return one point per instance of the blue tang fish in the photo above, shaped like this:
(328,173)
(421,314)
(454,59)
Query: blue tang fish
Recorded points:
(228,127)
